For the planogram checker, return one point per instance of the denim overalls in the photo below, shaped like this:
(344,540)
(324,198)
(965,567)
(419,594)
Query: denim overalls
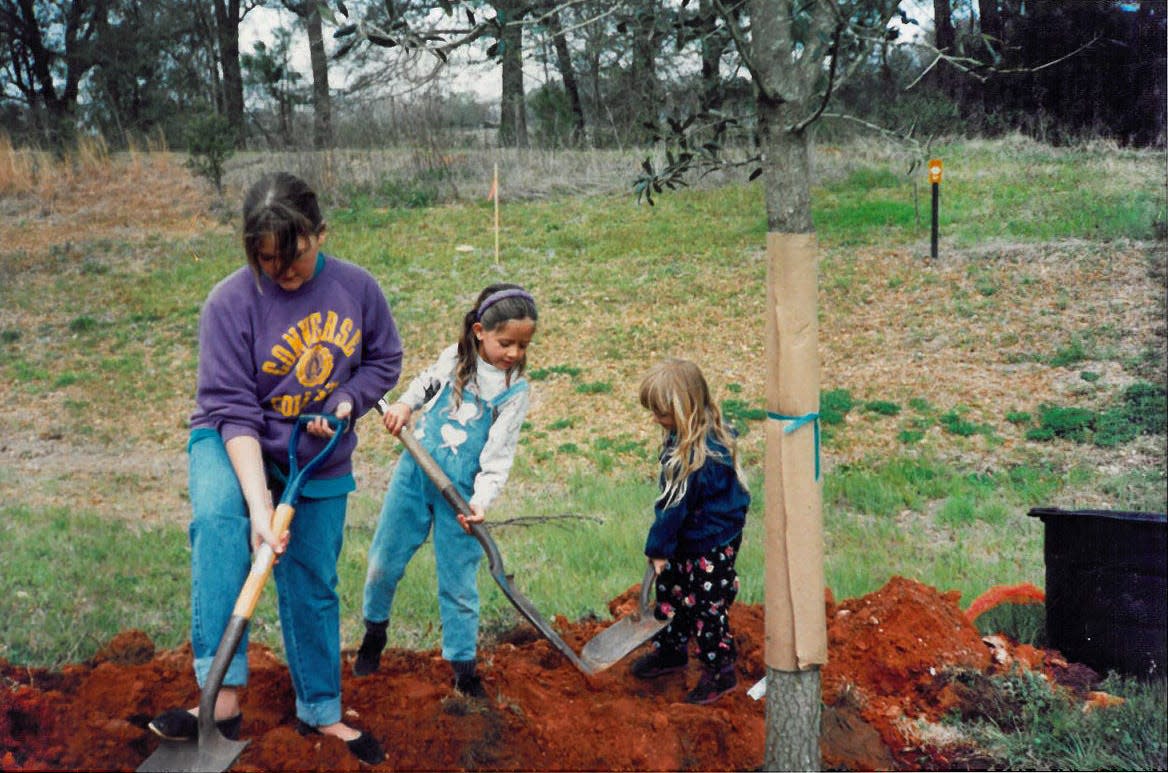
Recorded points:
(455,438)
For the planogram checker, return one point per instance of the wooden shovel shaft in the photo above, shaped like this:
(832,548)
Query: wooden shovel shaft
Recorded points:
(261,566)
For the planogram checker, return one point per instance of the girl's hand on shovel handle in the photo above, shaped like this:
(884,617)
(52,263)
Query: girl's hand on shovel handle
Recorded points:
(476,516)
(261,530)
(321,428)
(395,416)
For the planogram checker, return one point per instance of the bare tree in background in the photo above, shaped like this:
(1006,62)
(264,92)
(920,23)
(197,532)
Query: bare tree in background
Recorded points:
(228,14)
(48,72)
(308,11)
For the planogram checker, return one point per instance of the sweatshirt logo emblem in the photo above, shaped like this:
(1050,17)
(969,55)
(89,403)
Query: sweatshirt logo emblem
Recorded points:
(314,366)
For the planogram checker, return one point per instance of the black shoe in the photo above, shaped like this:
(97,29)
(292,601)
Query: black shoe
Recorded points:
(364,747)
(659,662)
(182,725)
(369,655)
(470,686)
(713,685)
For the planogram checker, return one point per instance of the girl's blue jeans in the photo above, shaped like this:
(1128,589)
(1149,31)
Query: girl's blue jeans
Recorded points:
(412,506)
(306,581)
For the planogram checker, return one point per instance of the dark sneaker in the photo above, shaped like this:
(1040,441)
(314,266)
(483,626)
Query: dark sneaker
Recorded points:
(182,725)
(369,655)
(470,686)
(713,685)
(364,747)
(659,662)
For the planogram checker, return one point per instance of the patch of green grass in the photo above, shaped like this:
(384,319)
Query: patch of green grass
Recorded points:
(1026,724)
(542,374)
(955,423)
(55,609)
(82,324)
(882,407)
(1071,354)
(1080,196)
(834,405)
(1141,409)
(594,388)
(739,413)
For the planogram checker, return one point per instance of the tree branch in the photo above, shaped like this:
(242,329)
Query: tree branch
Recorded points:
(536,520)
(835,43)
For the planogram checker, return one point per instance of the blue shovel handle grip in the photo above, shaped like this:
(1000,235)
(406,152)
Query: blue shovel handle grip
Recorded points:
(297,475)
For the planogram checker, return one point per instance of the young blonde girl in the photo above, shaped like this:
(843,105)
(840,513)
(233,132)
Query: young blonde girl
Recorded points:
(475,401)
(696,532)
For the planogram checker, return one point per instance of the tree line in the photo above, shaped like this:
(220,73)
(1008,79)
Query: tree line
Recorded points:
(614,72)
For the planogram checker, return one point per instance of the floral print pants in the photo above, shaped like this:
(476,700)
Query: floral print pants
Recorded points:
(698,592)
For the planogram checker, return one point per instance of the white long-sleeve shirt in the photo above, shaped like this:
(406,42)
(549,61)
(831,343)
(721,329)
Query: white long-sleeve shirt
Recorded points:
(498,453)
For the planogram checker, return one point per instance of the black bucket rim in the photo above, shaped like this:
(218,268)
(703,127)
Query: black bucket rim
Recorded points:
(1119,515)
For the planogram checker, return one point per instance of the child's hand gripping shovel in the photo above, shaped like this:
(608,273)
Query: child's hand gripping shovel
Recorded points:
(211,751)
(625,635)
(479,532)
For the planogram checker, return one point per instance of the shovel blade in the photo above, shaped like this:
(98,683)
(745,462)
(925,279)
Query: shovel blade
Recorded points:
(608,647)
(211,753)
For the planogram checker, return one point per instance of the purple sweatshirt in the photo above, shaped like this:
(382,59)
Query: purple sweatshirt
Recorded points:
(267,355)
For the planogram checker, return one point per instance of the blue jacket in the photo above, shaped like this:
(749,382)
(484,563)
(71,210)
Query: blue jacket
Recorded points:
(712,512)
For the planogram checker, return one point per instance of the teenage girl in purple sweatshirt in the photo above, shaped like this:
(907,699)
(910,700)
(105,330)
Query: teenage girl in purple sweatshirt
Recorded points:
(294,331)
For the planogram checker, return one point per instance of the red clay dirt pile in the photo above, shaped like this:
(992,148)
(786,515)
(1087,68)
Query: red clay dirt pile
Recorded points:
(892,655)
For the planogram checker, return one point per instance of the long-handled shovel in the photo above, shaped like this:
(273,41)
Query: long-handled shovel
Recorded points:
(494,559)
(625,635)
(212,751)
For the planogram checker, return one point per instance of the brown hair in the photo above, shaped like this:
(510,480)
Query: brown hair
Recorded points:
(283,206)
(496,304)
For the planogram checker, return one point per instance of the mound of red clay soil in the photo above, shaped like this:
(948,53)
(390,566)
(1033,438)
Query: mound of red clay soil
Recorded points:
(891,658)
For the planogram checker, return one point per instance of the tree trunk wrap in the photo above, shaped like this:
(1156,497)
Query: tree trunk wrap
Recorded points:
(796,624)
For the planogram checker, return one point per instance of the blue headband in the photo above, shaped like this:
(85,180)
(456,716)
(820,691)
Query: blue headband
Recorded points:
(501,295)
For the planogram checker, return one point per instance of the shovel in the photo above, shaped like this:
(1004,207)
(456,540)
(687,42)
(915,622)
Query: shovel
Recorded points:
(494,559)
(622,637)
(212,751)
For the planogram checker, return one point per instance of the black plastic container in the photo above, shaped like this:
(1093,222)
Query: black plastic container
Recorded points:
(1107,588)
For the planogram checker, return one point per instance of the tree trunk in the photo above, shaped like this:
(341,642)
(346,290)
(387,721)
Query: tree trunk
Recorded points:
(568,74)
(945,40)
(322,108)
(713,44)
(513,102)
(227,28)
(796,627)
(645,91)
(992,31)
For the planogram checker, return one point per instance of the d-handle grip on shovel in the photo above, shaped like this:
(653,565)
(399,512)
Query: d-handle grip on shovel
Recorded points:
(261,567)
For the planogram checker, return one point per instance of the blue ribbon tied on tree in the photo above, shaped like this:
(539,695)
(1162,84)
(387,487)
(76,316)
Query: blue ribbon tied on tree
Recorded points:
(796,423)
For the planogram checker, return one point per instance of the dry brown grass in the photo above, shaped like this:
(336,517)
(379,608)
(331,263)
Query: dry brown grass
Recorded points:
(94,194)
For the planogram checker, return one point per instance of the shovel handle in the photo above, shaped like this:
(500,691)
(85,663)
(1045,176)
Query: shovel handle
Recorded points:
(647,583)
(261,569)
(265,557)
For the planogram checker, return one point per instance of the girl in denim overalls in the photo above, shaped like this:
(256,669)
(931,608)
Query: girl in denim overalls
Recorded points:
(475,402)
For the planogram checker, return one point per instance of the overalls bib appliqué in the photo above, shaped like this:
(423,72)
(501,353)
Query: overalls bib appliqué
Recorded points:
(455,436)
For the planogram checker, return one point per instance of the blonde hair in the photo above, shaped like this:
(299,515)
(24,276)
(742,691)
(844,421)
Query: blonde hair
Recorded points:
(676,388)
